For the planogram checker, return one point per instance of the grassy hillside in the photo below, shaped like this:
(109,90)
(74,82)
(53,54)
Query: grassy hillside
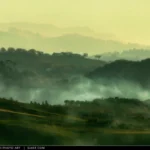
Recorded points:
(75,123)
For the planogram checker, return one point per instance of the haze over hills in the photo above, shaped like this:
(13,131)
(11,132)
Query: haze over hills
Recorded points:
(50,30)
(74,72)
(131,54)
(34,75)
(43,72)
(73,39)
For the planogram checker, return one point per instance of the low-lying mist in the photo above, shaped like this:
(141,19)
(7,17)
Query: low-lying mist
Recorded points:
(83,89)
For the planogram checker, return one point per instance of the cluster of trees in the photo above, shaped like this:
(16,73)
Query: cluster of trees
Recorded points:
(99,102)
(44,103)
(96,106)
(38,53)
(97,56)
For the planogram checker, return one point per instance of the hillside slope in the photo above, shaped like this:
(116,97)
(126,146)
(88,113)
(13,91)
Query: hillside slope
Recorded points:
(138,71)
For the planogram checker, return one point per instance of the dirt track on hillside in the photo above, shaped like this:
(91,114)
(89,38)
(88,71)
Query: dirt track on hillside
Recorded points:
(40,116)
(21,113)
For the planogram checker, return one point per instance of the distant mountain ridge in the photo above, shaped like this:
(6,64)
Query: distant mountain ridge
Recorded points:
(68,42)
(131,54)
(51,30)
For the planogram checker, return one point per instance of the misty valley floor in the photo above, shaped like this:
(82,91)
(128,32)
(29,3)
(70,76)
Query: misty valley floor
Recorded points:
(22,123)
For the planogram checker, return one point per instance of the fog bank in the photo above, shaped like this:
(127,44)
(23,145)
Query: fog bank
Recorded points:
(83,89)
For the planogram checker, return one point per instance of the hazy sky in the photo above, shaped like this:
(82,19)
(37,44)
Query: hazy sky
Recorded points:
(127,19)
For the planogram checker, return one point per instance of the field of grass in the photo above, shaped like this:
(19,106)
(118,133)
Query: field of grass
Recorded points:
(34,126)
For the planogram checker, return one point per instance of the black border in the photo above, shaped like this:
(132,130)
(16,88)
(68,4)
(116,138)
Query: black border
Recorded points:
(40,147)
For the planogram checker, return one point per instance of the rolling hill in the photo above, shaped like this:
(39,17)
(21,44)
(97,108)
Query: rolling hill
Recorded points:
(67,42)
(134,71)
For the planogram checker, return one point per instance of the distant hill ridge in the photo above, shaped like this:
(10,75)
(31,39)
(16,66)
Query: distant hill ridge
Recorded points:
(138,71)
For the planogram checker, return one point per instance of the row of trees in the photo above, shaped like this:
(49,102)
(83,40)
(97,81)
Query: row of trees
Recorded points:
(95,102)
(39,53)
